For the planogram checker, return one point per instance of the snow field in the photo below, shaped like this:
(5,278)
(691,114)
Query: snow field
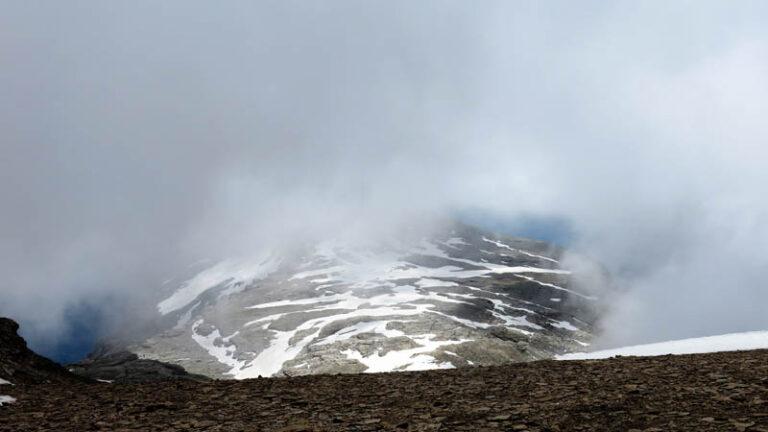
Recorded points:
(727,342)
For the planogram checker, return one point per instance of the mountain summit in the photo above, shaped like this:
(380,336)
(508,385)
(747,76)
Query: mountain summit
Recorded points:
(460,296)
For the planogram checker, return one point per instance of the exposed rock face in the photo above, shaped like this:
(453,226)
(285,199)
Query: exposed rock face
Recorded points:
(20,365)
(458,297)
(126,367)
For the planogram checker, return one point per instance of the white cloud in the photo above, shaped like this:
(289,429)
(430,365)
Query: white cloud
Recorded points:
(138,137)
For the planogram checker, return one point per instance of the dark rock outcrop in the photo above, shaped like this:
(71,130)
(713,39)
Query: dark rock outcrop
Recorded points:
(20,365)
(127,367)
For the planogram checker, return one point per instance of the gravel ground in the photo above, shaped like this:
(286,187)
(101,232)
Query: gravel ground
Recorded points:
(712,392)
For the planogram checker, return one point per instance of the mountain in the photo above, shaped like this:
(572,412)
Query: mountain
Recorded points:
(727,342)
(459,296)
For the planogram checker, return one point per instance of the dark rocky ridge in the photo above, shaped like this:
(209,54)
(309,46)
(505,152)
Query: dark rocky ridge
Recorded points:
(126,367)
(20,365)
(705,392)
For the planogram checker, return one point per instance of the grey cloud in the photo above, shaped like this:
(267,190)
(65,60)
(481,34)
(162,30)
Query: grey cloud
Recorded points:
(138,137)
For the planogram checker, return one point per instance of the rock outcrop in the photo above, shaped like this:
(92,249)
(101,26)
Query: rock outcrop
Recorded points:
(126,367)
(20,365)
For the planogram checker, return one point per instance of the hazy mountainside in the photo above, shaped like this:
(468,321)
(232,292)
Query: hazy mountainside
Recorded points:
(458,297)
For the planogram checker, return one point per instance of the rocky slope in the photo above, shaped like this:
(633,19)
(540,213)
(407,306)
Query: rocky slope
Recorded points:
(703,392)
(458,297)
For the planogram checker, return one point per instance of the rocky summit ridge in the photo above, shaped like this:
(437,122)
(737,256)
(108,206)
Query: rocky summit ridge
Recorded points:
(457,297)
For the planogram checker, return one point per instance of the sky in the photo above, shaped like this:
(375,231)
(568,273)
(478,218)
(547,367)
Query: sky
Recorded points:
(139,137)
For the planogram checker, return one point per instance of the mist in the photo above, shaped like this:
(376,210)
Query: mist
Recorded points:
(137,138)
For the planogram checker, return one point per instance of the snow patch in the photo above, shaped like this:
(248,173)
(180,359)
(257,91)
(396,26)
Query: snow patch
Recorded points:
(504,246)
(565,325)
(270,361)
(215,345)
(4,382)
(379,327)
(413,359)
(431,283)
(235,275)
(726,342)
(456,241)
(184,319)
(530,279)
(4,399)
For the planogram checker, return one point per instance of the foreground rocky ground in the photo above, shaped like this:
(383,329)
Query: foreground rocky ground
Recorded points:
(717,392)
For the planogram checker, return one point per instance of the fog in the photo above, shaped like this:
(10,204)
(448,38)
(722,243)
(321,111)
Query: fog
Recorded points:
(137,138)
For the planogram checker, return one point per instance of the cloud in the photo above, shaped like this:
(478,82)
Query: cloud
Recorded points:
(139,137)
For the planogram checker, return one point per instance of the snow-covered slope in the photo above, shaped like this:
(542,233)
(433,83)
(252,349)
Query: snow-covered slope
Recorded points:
(726,342)
(457,297)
